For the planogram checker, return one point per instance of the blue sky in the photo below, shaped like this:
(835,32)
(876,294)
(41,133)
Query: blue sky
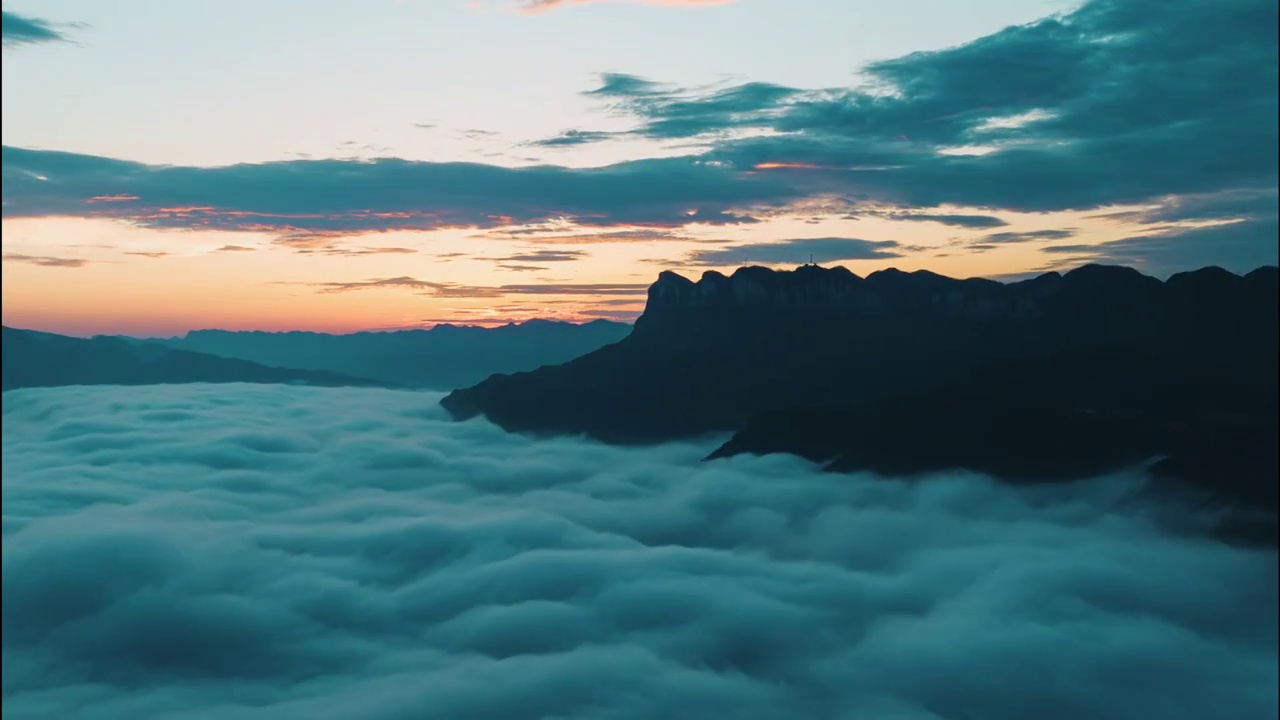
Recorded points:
(246,81)
(347,165)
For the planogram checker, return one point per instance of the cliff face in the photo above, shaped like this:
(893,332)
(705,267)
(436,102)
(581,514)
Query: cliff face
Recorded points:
(709,355)
(1054,377)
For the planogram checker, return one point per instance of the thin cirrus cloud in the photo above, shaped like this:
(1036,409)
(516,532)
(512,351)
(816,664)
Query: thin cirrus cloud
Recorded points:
(534,7)
(544,256)
(457,290)
(545,236)
(46,261)
(358,252)
(16,30)
(572,138)
(965,221)
(1028,236)
(798,252)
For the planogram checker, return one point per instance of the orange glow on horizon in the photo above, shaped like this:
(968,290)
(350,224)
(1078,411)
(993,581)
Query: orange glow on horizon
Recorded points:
(456,275)
(787,166)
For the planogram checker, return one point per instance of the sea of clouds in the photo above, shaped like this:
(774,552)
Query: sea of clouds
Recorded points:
(279,552)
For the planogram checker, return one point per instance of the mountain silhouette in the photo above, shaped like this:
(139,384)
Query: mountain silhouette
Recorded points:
(38,359)
(1059,376)
(442,358)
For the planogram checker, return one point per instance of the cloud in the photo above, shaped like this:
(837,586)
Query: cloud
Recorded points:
(271,552)
(456,290)
(536,235)
(378,284)
(45,261)
(633,289)
(309,203)
(18,30)
(966,221)
(1027,236)
(1239,246)
(797,252)
(234,248)
(541,6)
(571,138)
(153,254)
(1253,205)
(671,112)
(354,252)
(544,256)
(1074,111)
(521,268)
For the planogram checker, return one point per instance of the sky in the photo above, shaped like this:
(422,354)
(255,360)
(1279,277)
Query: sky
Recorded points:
(338,165)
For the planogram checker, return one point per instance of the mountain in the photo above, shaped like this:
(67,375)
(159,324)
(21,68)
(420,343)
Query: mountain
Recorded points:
(37,359)
(442,358)
(1058,376)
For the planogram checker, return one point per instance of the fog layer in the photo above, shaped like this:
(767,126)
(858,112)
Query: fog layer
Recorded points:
(285,552)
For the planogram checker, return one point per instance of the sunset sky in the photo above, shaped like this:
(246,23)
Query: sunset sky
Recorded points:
(341,165)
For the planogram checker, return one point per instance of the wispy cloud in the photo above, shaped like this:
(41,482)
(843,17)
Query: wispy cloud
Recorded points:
(797,252)
(541,6)
(46,261)
(456,290)
(540,236)
(543,256)
(572,138)
(966,221)
(399,283)
(356,252)
(18,30)
(1239,246)
(1027,236)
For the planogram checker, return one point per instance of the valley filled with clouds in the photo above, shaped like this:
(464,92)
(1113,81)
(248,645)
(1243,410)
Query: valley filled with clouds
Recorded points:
(259,552)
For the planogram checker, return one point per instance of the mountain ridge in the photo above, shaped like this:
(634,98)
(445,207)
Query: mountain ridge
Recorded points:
(32,358)
(903,357)
(444,357)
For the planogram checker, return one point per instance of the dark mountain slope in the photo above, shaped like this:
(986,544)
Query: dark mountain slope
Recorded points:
(36,359)
(1057,376)
(442,358)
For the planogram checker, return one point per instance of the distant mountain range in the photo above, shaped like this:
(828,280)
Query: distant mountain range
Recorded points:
(37,359)
(445,357)
(442,358)
(1058,376)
